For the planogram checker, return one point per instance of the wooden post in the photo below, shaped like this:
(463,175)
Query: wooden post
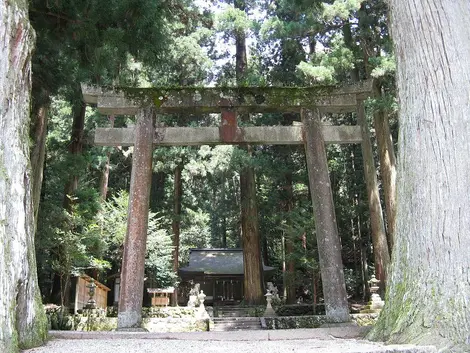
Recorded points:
(133,261)
(379,238)
(329,247)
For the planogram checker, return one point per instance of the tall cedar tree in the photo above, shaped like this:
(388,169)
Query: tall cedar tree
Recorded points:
(23,322)
(427,298)
(253,270)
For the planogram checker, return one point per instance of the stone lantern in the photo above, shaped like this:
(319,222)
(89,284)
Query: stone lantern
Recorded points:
(376,303)
(269,308)
(91,304)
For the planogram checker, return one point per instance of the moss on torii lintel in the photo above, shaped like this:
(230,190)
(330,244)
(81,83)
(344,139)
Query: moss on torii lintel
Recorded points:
(202,97)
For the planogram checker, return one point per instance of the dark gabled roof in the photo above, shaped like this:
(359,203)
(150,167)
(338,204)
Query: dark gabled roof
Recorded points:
(216,262)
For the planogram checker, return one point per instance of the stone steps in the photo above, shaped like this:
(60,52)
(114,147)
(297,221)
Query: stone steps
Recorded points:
(234,312)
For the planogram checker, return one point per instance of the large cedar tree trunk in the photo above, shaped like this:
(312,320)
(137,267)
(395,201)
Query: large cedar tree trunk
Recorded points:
(22,319)
(428,294)
(253,271)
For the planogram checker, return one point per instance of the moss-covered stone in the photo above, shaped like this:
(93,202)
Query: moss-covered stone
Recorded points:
(292,322)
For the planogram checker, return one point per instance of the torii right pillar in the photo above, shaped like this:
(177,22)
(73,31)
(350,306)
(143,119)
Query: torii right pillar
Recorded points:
(328,242)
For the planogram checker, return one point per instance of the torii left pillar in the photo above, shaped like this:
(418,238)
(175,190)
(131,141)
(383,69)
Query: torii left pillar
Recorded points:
(133,260)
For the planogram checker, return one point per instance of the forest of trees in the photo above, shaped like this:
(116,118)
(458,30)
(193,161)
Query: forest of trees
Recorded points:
(70,198)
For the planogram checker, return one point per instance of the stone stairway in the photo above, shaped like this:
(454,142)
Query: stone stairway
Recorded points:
(236,323)
(234,311)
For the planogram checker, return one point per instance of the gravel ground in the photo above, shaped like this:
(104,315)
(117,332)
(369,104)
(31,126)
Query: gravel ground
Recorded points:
(175,346)
(239,342)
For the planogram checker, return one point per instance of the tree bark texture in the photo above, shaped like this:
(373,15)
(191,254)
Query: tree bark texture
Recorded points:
(379,237)
(22,319)
(429,284)
(133,260)
(38,154)
(253,270)
(387,171)
(177,196)
(329,246)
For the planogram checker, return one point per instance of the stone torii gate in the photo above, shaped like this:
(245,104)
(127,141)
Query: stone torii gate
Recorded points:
(311,103)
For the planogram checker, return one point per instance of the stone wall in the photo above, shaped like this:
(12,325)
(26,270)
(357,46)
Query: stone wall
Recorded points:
(312,321)
(170,319)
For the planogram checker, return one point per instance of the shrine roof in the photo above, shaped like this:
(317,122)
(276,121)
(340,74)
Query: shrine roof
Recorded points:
(216,262)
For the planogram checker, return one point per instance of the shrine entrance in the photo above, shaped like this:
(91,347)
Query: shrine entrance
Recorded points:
(312,103)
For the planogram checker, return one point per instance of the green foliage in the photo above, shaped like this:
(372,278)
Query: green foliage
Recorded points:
(110,226)
(383,66)
(158,261)
(341,8)
(63,245)
(328,64)
(317,73)
(232,21)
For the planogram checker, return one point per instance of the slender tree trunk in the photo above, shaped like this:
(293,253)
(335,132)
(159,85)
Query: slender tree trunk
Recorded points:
(240,44)
(178,193)
(104,180)
(379,237)
(284,267)
(428,294)
(290,253)
(382,130)
(253,270)
(157,191)
(349,42)
(315,292)
(253,293)
(364,268)
(291,297)
(387,169)
(38,153)
(223,204)
(22,319)
(75,149)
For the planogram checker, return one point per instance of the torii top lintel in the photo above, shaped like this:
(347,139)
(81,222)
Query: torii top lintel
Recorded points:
(127,101)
